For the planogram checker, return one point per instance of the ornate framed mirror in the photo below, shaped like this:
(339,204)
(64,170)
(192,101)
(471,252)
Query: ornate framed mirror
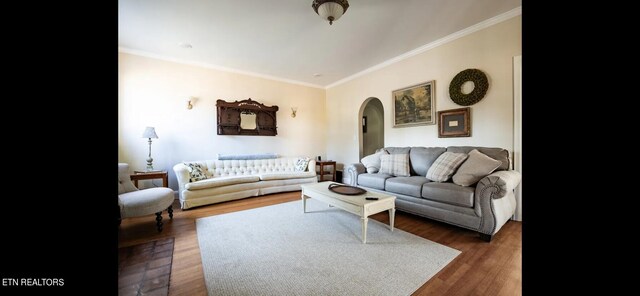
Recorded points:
(246,118)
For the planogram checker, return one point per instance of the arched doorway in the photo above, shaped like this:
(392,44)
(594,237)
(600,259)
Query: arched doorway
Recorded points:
(371,131)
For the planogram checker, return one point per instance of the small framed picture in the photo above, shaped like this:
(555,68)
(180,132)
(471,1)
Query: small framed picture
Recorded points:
(454,123)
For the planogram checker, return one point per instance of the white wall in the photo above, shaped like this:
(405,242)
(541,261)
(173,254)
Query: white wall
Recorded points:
(152,92)
(490,50)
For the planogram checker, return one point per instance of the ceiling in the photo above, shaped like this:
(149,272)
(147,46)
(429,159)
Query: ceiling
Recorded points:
(287,39)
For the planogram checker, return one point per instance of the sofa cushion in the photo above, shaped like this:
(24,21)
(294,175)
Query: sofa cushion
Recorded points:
(476,167)
(221,181)
(284,176)
(375,181)
(411,186)
(145,202)
(196,171)
(372,162)
(421,159)
(449,193)
(495,153)
(395,164)
(446,164)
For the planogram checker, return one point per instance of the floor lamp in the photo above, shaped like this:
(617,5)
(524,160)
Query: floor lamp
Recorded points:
(150,133)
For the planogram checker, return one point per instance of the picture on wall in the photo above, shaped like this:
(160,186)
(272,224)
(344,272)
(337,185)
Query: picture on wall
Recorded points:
(414,105)
(454,123)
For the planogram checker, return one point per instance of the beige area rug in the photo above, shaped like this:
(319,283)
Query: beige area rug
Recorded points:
(278,250)
(145,269)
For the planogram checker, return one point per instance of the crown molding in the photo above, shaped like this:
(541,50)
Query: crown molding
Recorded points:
(464,32)
(212,66)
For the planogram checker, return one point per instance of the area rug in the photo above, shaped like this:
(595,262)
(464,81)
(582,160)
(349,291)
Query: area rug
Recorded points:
(279,250)
(145,269)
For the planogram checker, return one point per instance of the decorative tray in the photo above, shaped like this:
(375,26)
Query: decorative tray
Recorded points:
(346,189)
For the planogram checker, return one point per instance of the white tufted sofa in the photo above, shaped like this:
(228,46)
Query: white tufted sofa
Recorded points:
(236,179)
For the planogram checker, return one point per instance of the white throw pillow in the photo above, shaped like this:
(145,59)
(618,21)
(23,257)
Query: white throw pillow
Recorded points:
(476,167)
(302,164)
(196,171)
(372,162)
(395,164)
(446,164)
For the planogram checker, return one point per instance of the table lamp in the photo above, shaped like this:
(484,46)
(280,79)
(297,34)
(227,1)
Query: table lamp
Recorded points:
(150,133)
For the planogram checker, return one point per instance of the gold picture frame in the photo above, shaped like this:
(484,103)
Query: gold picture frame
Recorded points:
(414,105)
(454,123)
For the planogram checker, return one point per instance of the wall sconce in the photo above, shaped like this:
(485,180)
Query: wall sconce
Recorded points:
(190,101)
(293,111)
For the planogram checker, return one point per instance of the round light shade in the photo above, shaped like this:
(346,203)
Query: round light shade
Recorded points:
(330,10)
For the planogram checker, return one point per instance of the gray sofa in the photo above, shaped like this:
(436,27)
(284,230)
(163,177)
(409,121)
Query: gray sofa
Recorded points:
(483,207)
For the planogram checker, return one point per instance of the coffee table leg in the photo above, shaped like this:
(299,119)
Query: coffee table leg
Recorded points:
(304,203)
(365,221)
(392,217)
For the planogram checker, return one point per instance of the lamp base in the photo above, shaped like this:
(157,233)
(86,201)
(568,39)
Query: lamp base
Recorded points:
(149,164)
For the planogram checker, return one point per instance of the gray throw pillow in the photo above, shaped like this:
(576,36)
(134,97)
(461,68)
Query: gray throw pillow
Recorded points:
(476,167)
(395,164)
(372,162)
(446,164)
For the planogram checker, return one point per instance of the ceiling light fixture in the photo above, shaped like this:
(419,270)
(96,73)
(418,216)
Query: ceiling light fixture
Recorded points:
(330,10)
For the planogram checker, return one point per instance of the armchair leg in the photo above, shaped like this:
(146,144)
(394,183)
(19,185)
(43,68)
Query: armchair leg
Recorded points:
(159,221)
(170,210)
(486,237)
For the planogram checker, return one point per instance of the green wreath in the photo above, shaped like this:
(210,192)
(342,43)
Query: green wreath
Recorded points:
(481,84)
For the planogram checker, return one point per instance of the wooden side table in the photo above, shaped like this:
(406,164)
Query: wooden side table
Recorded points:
(144,175)
(324,163)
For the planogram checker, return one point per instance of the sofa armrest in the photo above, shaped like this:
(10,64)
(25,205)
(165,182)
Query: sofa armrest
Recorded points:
(182,174)
(498,184)
(495,200)
(352,172)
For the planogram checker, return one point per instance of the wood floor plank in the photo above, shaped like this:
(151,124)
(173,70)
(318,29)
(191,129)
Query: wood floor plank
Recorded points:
(481,269)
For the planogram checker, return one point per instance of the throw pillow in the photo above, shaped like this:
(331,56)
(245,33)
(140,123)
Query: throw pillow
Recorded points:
(476,167)
(196,171)
(446,164)
(372,162)
(302,164)
(395,164)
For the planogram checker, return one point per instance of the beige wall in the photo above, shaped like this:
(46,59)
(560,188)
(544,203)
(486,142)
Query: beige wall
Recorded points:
(490,50)
(153,92)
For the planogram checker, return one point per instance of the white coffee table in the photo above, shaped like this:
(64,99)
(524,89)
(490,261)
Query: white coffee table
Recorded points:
(355,204)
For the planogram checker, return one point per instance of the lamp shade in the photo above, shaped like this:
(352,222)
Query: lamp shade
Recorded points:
(330,10)
(149,132)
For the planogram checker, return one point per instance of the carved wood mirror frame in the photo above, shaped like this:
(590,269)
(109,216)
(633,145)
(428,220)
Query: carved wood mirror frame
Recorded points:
(229,121)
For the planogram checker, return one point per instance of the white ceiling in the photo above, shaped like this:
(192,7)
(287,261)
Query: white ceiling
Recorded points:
(287,39)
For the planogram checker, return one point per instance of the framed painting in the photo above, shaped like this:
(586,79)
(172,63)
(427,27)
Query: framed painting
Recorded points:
(454,123)
(414,105)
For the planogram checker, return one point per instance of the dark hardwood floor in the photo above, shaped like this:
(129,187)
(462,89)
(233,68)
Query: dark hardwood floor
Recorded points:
(481,269)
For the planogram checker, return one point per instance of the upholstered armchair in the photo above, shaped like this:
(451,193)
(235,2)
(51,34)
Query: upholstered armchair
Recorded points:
(134,202)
